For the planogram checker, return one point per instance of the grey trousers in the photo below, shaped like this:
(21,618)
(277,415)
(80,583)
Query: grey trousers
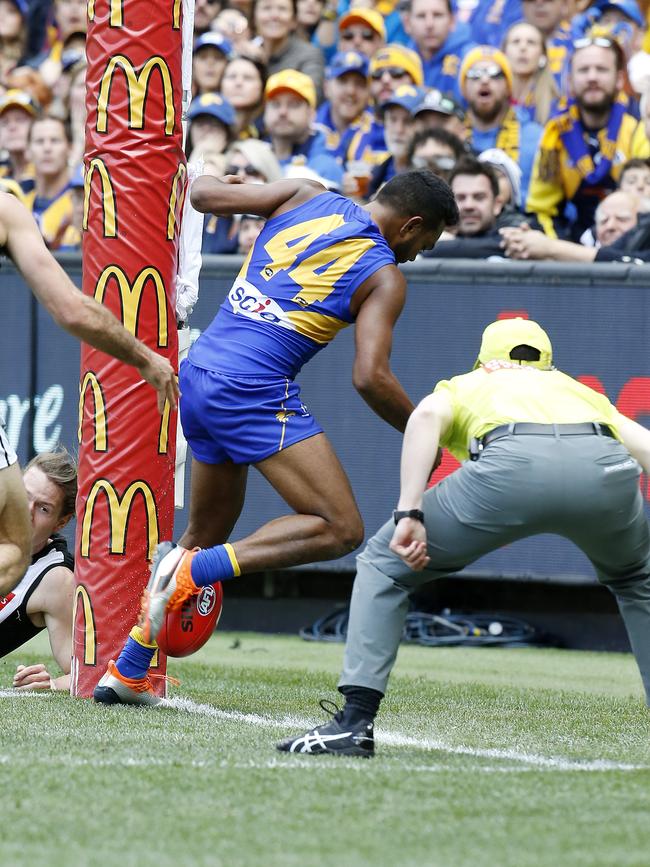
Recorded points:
(584,488)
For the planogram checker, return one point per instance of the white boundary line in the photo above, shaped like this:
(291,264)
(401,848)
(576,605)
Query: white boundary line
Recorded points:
(527,761)
(397,739)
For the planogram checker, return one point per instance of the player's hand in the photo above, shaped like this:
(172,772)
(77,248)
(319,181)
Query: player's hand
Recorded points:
(32,677)
(159,373)
(410,543)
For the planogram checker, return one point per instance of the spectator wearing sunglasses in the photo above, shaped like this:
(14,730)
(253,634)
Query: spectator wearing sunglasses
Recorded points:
(255,163)
(583,150)
(289,115)
(345,112)
(362,30)
(435,149)
(491,121)
(440,43)
(391,67)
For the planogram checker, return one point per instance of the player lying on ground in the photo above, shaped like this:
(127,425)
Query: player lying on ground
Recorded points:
(547,455)
(85,319)
(320,263)
(43,597)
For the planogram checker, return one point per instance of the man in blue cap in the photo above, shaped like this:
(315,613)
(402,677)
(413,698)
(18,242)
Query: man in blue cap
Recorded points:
(212,119)
(398,115)
(345,111)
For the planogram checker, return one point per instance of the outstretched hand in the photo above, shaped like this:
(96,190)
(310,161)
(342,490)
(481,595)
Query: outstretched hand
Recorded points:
(410,543)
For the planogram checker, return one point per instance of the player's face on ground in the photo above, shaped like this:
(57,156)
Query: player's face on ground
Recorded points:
(487,92)
(428,24)
(241,84)
(399,127)
(288,116)
(636,181)
(476,202)
(45,503)
(14,129)
(545,14)
(524,49)
(48,147)
(594,78)
(360,37)
(348,95)
(615,215)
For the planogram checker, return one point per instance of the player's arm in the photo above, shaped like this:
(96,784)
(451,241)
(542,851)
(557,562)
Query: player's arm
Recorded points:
(51,601)
(385,293)
(71,309)
(636,440)
(228,196)
(429,421)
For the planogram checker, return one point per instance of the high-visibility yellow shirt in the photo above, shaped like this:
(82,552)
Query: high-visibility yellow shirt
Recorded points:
(501,392)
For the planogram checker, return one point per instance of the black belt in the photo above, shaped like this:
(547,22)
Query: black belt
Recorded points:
(547,430)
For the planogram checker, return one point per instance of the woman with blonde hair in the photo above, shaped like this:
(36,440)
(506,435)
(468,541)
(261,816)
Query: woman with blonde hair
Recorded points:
(534,90)
(255,163)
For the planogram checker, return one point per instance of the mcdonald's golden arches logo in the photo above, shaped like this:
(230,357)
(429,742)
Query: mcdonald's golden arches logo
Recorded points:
(101,425)
(116,17)
(163,433)
(176,15)
(131,297)
(176,199)
(90,637)
(109,205)
(119,514)
(137,85)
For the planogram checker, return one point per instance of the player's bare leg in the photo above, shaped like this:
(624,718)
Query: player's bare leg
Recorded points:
(15,528)
(216,500)
(327,524)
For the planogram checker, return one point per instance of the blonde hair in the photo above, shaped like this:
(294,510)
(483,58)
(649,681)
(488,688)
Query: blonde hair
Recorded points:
(545,89)
(260,156)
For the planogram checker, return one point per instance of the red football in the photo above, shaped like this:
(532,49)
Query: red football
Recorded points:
(189,627)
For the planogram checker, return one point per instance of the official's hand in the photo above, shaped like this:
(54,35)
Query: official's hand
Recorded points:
(159,373)
(32,677)
(410,543)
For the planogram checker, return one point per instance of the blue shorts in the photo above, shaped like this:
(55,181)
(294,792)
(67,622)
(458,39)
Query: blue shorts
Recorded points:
(240,419)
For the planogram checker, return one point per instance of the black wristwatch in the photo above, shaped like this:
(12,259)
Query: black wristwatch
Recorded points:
(416,514)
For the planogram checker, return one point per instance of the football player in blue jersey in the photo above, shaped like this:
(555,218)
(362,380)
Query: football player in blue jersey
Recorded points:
(320,263)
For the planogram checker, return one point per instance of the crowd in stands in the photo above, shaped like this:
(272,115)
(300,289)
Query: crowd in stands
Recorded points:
(537,113)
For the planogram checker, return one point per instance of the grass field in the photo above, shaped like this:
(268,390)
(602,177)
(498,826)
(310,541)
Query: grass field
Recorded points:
(484,757)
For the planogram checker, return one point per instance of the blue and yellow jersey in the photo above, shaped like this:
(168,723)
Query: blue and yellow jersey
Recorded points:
(293,293)
(53,216)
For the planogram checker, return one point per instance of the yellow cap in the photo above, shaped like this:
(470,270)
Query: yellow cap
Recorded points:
(401,57)
(15,98)
(501,337)
(371,17)
(293,81)
(485,52)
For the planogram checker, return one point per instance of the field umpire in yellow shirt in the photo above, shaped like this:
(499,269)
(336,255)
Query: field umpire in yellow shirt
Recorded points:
(543,454)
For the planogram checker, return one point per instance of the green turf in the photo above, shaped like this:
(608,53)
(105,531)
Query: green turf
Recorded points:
(499,757)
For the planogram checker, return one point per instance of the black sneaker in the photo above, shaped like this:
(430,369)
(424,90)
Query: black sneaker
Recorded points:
(333,738)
